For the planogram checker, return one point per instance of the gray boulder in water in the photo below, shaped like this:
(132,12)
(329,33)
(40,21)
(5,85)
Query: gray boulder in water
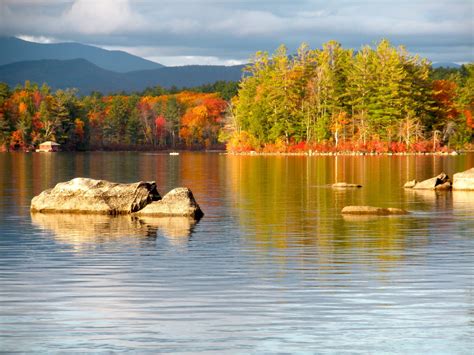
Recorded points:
(177,202)
(464,180)
(83,195)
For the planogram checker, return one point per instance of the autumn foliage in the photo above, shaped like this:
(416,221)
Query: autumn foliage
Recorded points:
(31,115)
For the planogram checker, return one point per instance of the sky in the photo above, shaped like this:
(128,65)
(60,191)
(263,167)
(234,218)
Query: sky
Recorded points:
(180,32)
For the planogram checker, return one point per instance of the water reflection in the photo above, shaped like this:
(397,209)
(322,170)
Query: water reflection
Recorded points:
(273,267)
(177,230)
(286,203)
(79,229)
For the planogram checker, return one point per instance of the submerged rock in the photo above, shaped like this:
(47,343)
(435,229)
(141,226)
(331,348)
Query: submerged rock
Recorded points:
(345,185)
(433,183)
(464,180)
(370,210)
(177,202)
(83,195)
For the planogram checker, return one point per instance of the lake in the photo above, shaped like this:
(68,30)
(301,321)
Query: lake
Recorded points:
(272,267)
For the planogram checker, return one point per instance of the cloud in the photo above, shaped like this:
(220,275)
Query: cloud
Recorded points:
(102,17)
(232,30)
(38,39)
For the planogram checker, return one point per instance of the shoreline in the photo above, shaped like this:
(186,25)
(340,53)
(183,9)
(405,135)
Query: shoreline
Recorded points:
(309,154)
(255,153)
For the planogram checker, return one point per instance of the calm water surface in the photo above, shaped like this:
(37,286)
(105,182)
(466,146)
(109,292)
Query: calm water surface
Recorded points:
(272,267)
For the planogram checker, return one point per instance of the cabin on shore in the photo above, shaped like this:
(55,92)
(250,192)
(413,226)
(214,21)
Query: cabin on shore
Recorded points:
(48,146)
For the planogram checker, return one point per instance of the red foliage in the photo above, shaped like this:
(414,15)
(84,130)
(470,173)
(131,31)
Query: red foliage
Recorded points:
(469,119)
(398,147)
(37,124)
(37,99)
(17,141)
(160,123)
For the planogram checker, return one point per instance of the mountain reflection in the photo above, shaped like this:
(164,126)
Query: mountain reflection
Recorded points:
(77,229)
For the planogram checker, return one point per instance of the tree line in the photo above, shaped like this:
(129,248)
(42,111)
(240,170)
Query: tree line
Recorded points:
(30,115)
(373,99)
(378,99)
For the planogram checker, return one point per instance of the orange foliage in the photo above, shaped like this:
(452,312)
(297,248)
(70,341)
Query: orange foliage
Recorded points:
(22,108)
(79,128)
(444,95)
(469,119)
(201,122)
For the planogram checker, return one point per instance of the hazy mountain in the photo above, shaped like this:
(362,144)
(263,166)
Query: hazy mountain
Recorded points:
(87,77)
(16,50)
(445,65)
(185,76)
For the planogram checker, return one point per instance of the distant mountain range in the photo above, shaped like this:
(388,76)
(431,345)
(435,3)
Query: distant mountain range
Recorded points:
(16,50)
(446,65)
(89,68)
(87,77)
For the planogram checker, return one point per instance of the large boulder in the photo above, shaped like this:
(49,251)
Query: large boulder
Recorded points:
(369,210)
(440,182)
(177,202)
(464,180)
(83,195)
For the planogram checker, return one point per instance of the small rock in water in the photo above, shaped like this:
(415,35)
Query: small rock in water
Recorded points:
(345,185)
(370,210)
(410,184)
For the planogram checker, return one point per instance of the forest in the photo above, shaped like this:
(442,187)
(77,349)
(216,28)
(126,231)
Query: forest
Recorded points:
(154,119)
(376,99)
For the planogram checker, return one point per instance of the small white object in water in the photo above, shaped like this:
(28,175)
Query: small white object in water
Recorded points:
(174,153)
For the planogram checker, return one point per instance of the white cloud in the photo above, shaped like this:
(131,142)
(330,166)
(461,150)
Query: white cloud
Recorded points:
(164,55)
(221,30)
(102,17)
(38,39)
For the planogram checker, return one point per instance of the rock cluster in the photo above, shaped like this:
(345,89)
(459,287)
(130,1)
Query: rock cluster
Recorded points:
(83,195)
(461,181)
(440,182)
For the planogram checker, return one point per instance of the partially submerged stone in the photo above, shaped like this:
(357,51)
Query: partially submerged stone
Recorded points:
(177,202)
(370,210)
(345,185)
(83,195)
(431,184)
(464,180)
(410,184)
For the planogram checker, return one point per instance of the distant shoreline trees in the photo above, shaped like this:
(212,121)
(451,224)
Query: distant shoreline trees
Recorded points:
(30,115)
(379,99)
